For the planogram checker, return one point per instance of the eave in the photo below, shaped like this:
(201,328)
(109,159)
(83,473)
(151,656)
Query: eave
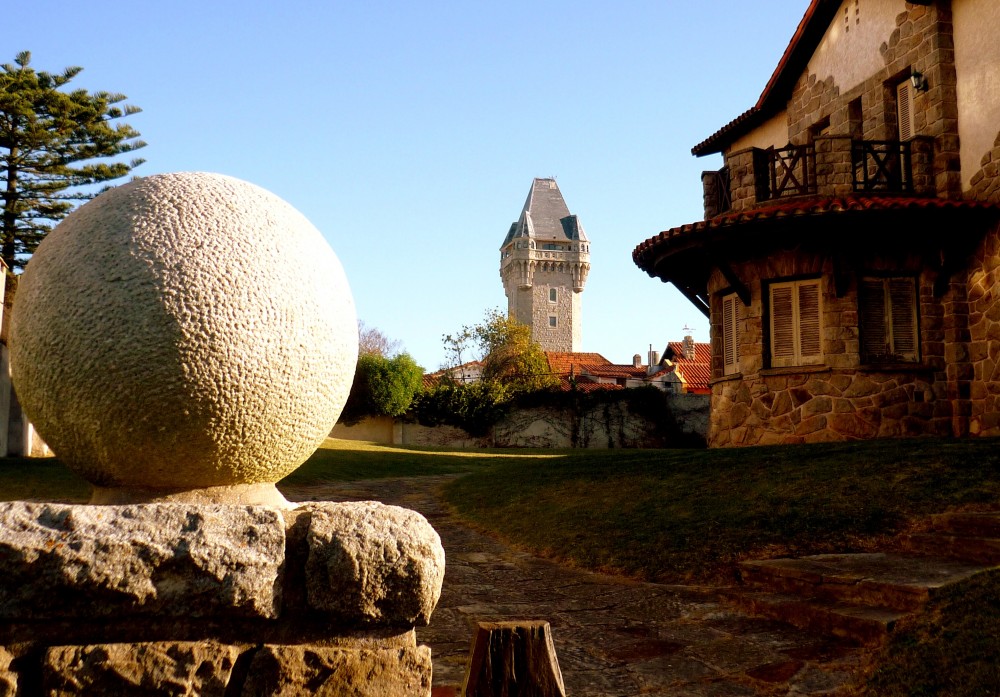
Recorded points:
(686,255)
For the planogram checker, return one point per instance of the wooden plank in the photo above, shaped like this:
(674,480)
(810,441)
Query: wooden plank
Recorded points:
(513,659)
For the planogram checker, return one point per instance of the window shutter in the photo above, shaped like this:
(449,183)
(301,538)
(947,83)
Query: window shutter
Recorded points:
(902,304)
(904,109)
(888,309)
(782,326)
(871,306)
(810,335)
(730,336)
(796,323)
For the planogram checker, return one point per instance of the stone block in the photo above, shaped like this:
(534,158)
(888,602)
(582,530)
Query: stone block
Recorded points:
(372,564)
(290,671)
(156,668)
(861,386)
(817,406)
(166,560)
(8,678)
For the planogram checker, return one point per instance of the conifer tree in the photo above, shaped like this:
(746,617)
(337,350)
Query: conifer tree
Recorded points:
(51,144)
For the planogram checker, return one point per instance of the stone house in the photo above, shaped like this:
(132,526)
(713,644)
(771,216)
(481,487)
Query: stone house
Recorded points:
(849,258)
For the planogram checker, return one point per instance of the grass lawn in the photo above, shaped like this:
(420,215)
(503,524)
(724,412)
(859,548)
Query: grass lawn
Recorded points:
(689,515)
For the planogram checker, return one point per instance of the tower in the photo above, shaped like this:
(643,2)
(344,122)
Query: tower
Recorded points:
(544,261)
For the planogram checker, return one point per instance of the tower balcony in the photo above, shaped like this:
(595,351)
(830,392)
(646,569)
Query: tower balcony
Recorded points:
(832,166)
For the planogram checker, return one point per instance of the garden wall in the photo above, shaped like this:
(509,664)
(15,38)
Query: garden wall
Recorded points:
(606,425)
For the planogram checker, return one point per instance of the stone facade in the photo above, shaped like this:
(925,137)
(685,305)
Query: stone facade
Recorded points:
(544,262)
(867,189)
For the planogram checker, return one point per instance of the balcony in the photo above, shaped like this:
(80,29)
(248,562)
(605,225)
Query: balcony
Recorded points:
(832,166)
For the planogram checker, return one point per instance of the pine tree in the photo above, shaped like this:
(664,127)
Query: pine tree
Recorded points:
(50,144)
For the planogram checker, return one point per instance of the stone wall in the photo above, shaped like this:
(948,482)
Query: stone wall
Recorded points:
(607,425)
(377,429)
(984,337)
(604,426)
(216,600)
(841,399)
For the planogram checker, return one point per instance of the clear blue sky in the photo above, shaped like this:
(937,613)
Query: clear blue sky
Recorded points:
(409,133)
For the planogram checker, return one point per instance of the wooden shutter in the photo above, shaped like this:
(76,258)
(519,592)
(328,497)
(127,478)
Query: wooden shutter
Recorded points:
(730,336)
(871,307)
(782,325)
(809,329)
(903,310)
(796,323)
(888,309)
(904,109)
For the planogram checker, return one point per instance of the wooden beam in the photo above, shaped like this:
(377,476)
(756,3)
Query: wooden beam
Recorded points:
(513,659)
(742,292)
(697,300)
(841,275)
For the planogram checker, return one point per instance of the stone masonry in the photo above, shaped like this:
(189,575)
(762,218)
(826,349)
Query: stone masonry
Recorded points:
(175,599)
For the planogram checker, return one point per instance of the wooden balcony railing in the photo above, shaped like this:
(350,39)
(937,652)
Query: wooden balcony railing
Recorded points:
(882,166)
(831,166)
(791,171)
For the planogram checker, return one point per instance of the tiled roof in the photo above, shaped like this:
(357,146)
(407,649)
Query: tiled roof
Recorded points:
(696,372)
(800,48)
(617,371)
(432,379)
(644,252)
(565,362)
(582,384)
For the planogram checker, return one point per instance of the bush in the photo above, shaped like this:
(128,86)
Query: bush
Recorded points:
(382,387)
(474,407)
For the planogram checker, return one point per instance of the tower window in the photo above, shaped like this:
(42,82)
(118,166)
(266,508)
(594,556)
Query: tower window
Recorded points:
(553,322)
(553,297)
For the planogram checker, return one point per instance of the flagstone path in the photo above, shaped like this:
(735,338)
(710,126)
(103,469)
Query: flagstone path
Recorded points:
(613,637)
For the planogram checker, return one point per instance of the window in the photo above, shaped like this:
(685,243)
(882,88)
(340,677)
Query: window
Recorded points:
(552,322)
(730,335)
(552,295)
(887,309)
(796,327)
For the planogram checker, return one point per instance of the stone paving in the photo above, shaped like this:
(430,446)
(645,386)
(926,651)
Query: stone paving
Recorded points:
(613,637)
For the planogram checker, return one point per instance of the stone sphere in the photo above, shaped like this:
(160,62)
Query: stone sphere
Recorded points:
(183,331)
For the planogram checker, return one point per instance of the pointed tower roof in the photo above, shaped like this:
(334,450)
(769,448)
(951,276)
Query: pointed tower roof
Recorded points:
(545,216)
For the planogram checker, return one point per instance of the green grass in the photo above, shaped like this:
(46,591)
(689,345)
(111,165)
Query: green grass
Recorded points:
(682,515)
(345,460)
(952,650)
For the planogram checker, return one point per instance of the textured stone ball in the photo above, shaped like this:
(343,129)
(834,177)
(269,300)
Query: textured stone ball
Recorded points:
(184,331)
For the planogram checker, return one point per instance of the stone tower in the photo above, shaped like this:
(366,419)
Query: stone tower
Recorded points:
(544,261)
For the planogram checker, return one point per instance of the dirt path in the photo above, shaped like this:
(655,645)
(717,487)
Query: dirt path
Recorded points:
(614,638)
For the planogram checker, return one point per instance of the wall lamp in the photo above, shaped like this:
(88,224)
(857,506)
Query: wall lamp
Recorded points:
(919,81)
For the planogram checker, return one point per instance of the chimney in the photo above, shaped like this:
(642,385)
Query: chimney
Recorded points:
(689,347)
(654,361)
(637,361)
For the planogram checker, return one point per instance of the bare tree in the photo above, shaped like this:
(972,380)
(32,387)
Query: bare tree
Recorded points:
(372,342)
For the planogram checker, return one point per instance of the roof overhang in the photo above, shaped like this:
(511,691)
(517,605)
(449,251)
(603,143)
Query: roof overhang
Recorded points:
(686,255)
